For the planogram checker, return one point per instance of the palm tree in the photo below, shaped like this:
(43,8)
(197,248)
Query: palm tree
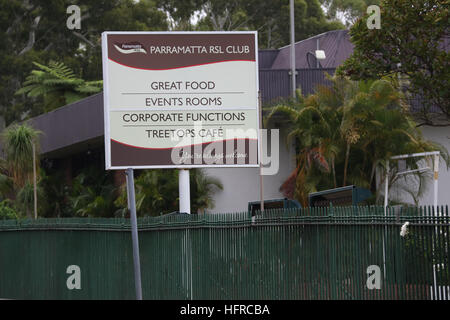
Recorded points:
(203,189)
(92,193)
(18,141)
(24,201)
(58,85)
(21,165)
(311,123)
(157,192)
(355,125)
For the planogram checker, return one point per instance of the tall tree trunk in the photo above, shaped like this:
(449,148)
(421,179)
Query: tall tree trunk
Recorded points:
(347,154)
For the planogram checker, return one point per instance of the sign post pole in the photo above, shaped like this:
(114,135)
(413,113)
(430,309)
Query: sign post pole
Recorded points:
(261,179)
(134,232)
(34,181)
(184,191)
(435,178)
(185,207)
(293,80)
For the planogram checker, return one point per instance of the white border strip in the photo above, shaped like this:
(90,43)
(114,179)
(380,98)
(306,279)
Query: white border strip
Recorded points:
(107,132)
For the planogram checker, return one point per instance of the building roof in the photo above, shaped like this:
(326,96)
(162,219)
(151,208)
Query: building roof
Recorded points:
(336,44)
(71,128)
(266,58)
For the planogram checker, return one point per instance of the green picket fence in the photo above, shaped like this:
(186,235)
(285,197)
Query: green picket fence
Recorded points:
(317,253)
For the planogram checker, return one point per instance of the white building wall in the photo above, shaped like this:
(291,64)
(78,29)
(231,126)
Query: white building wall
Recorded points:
(242,185)
(440,135)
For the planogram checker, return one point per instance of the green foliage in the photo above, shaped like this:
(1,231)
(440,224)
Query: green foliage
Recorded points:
(7,211)
(6,183)
(24,201)
(92,194)
(57,85)
(157,192)
(350,10)
(57,191)
(269,18)
(409,44)
(18,141)
(344,132)
(203,189)
(16,177)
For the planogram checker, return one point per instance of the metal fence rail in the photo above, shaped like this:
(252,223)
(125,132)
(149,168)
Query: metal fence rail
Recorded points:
(317,253)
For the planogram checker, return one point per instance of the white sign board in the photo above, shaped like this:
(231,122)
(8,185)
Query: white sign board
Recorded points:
(180,99)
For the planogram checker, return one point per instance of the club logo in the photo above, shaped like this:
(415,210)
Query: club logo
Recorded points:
(130,47)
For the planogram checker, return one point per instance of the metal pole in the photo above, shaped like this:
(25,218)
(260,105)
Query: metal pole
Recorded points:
(386,187)
(261,180)
(184,191)
(34,182)
(386,191)
(128,192)
(294,86)
(435,177)
(436,213)
(134,233)
(317,46)
(185,207)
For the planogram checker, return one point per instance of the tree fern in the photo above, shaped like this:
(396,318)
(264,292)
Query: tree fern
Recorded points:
(57,84)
